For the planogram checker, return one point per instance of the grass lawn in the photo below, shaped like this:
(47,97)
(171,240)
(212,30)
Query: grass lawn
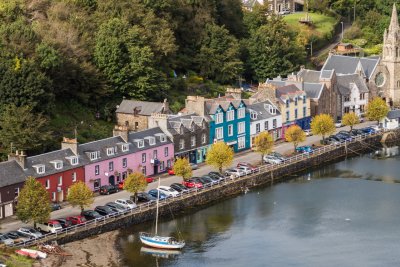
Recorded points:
(323,25)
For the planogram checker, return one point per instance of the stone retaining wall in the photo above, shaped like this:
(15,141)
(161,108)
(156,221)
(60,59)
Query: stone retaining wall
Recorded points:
(224,190)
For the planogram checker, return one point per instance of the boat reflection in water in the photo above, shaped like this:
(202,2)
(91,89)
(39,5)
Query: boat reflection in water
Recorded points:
(160,253)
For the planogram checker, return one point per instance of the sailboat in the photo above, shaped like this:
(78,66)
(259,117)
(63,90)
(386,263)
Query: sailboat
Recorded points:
(156,241)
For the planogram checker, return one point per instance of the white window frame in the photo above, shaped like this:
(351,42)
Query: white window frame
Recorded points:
(143,157)
(219,133)
(162,165)
(266,125)
(274,123)
(241,113)
(230,130)
(193,141)
(241,142)
(53,196)
(181,144)
(60,178)
(241,127)
(230,115)
(155,154)
(97,169)
(110,151)
(16,191)
(166,152)
(94,155)
(111,166)
(74,177)
(140,143)
(219,118)
(203,138)
(124,162)
(125,147)
(258,128)
(163,138)
(253,115)
(47,183)
(144,170)
(74,160)
(58,164)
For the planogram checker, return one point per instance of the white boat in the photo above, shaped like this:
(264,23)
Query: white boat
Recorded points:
(32,253)
(156,241)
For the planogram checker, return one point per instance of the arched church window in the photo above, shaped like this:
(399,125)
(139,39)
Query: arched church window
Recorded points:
(398,84)
(397,52)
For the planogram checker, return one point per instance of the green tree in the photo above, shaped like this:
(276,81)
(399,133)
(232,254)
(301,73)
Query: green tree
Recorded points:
(220,155)
(323,125)
(23,128)
(350,119)
(219,55)
(134,183)
(33,202)
(294,134)
(376,109)
(80,195)
(273,50)
(263,144)
(182,168)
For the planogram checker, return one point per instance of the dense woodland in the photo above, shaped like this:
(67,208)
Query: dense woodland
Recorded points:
(66,64)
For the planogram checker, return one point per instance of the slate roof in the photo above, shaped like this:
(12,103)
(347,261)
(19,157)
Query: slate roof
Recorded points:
(344,82)
(263,113)
(146,108)
(311,76)
(11,173)
(393,114)
(175,122)
(211,105)
(348,65)
(313,90)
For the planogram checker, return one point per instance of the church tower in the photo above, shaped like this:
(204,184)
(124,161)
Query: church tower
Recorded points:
(391,60)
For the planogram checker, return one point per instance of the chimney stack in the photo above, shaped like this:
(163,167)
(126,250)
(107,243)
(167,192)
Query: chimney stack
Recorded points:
(120,130)
(166,106)
(70,143)
(19,157)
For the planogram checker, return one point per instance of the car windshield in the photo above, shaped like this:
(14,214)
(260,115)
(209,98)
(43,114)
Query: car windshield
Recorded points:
(129,201)
(57,225)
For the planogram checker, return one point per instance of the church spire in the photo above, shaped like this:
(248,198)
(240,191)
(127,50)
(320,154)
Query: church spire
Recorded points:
(394,22)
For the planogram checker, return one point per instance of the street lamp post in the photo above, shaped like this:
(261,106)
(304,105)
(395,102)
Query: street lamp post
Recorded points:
(342,30)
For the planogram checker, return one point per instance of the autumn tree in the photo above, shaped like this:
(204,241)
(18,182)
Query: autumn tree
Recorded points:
(134,183)
(323,125)
(182,168)
(33,202)
(220,155)
(350,119)
(22,128)
(263,144)
(376,109)
(80,195)
(294,134)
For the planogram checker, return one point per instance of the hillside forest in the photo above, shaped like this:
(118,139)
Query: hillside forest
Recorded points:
(67,64)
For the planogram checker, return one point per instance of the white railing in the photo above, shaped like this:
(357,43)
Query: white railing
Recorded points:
(193,191)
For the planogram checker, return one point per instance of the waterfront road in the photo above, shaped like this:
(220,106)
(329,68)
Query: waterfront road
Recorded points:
(284,148)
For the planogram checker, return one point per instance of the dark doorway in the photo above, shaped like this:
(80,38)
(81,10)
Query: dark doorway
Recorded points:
(111,180)
(155,169)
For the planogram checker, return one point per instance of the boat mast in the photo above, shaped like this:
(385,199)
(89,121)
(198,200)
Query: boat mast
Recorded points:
(158,198)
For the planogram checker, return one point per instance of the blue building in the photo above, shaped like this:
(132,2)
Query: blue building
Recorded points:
(228,119)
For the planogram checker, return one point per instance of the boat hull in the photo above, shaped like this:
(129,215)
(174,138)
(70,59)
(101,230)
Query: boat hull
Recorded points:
(160,242)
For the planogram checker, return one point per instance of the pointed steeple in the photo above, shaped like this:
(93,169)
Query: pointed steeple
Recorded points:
(394,21)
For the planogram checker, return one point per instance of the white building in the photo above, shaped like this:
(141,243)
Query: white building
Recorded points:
(264,116)
(353,94)
(392,120)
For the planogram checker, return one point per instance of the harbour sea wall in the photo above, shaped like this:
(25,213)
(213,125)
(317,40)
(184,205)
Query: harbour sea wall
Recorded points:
(268,175)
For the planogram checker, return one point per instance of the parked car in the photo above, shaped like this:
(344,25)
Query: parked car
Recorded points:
(18,237)
(245,169)
(194,166)
(248,165)
(104,210)
(108,189)
(55,206)
(193,183)
(272,159)
(278,155)
(91,215)
(216,174)
(332,140)
(78,219)
(121,185)
(179,187)
(51,226)
(30,232)
(368,130)
(234,172)
(344,136)
(64,222)
(284,11)
(126,203)
(215,179)
(168,191)
(205,179)
(155,193)
(149,179)
(304,149)
(377,128)
(338,124)
(143,197)
(4,239)
(356,132)
(117,207)
(308,132)
(170,171)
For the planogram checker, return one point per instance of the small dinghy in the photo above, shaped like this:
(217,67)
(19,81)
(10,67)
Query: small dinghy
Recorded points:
(31,253)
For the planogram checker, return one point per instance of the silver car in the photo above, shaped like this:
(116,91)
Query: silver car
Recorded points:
(4,239)
(30,232)
(272,160)
(234,173)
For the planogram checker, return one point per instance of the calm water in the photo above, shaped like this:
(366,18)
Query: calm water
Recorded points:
(345,214)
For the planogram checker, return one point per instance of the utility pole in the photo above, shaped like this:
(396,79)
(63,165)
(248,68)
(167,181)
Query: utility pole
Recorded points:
(354,15)
(342,30)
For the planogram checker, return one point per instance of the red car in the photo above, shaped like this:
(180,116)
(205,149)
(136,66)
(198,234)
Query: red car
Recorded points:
(76,219)
(191,183)
(248,165)
(171,171)
(121,184)
(149,179)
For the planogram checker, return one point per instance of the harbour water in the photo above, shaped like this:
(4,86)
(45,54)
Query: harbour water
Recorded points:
(344,214)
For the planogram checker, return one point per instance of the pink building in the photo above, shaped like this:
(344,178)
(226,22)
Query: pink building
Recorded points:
(108,161)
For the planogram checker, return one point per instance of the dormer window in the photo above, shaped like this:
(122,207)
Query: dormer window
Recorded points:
(110,151)
(163,138)
(253,115)
(125,147)
(58,164)
(151,140)
(139,143)
(73,160)
(40,169)
(94,155)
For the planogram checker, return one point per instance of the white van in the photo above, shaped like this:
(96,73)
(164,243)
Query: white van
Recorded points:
(51,226)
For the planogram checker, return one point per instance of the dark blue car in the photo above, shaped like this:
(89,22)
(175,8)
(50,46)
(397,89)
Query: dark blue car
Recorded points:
(368,130)
(154,193)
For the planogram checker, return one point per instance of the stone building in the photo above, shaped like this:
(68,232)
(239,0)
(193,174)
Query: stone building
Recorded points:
(189,133)
(135,114)
(275,6)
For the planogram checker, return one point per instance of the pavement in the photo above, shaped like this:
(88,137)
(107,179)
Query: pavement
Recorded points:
(11,223)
